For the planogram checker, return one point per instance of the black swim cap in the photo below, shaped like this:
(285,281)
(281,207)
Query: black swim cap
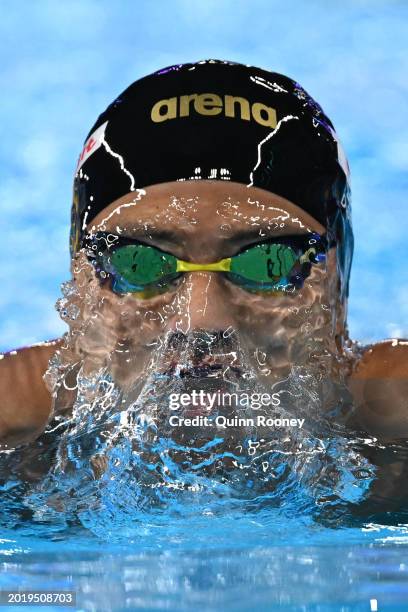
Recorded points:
(218,120)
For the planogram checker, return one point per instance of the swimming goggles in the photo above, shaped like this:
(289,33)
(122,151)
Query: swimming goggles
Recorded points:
(274,266)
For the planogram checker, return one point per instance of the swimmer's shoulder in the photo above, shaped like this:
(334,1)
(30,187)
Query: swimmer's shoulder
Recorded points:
(25,401)
(385,359)
(379,385)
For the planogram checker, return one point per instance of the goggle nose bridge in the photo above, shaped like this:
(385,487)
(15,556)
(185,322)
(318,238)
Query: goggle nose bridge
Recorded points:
(223,265)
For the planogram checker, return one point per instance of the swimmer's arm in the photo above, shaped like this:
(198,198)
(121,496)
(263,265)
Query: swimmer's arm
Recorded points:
(25,402)
(379,385)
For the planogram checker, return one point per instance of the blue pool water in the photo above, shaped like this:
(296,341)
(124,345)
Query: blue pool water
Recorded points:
(238,563)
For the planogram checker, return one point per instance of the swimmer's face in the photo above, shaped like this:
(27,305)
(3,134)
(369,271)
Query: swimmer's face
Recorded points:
(203,222)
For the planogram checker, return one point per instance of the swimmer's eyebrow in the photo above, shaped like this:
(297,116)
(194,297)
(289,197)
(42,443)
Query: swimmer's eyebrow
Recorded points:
(159,234)
(253,234)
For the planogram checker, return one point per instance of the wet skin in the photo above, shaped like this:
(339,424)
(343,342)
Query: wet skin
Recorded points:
(207,221)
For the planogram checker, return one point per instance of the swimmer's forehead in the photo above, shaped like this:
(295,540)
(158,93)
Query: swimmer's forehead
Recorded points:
(226,208)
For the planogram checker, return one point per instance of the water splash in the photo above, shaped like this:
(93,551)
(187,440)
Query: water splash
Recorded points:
(110,461)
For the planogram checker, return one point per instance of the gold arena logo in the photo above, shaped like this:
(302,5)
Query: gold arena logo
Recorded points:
(211,104)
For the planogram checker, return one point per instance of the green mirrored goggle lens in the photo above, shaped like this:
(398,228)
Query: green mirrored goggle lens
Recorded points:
(142,265)
(264,263)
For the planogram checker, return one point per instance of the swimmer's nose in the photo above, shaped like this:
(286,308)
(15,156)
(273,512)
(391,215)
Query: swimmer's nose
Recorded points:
(202,302)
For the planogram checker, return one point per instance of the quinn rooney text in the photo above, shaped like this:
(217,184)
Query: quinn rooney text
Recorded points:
(223,421)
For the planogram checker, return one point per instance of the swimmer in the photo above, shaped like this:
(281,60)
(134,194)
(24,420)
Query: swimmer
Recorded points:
(211,214)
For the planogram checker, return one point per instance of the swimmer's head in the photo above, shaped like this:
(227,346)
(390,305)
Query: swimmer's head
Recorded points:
(211,241)
(221,121)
